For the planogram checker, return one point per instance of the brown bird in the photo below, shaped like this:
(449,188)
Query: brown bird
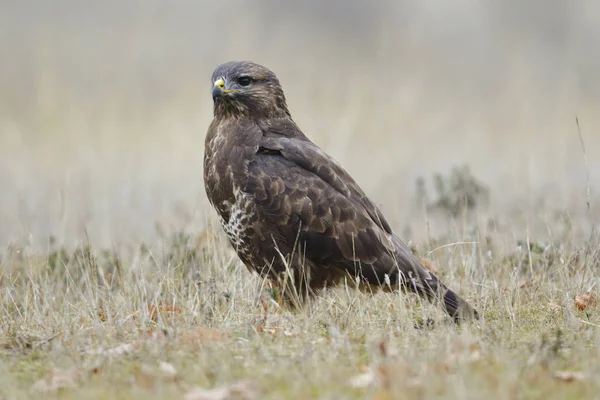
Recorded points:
(290,210)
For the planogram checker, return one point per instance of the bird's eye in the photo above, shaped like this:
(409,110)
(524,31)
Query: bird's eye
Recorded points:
(244,80)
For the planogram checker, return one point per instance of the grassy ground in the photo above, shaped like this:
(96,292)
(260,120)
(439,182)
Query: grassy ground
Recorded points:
(103,111)
(186,320)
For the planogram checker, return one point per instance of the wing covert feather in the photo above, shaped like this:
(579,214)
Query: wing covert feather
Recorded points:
(310,157)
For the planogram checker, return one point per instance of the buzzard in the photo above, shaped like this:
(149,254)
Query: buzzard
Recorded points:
(290,210)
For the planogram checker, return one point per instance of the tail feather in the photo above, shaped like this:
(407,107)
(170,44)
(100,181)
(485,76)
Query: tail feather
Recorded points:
(421,281)
(452,303)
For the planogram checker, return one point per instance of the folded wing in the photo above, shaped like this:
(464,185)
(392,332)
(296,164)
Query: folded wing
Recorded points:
(310,199)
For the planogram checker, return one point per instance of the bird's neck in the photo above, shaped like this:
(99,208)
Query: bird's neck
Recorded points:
(223,111)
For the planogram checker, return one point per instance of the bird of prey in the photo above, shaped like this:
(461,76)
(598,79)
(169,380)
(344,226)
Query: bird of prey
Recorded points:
(290,210)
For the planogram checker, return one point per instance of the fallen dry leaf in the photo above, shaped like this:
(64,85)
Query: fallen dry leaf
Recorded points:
(441,368)
(385,376)
(526,284)
(276,331)
(474,352)
(57,380)
(586,300)
(378,376)
(569,376)
(102,315)
(203,335)
(144,377)
(242,390)
(164,311)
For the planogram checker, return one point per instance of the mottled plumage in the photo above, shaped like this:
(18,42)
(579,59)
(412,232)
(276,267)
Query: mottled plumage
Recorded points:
(289,209)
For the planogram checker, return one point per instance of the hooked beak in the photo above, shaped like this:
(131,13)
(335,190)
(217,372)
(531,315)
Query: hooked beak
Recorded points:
(220,88)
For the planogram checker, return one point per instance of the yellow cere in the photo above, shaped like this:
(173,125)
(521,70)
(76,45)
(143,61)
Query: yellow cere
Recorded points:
(220,83)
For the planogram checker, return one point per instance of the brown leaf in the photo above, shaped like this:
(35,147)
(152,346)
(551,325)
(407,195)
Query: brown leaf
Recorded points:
(378,376)
(526,284)
(144,378)
(586,300)
(102,315)
(569,376)
(164,311)
(242,390)
(203,335)
(474,352)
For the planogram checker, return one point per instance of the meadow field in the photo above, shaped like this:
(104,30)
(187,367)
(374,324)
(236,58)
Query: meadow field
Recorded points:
(475,128)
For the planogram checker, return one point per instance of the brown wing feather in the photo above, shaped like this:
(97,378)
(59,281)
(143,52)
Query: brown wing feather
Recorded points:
(294,201)
(294,145)
(305,194)
(357,230)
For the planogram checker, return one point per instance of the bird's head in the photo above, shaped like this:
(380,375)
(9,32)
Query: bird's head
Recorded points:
(243,89)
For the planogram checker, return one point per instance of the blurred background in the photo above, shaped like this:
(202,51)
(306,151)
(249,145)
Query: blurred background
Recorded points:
(104,105)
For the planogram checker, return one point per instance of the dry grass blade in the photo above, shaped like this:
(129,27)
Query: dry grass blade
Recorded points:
(116,280)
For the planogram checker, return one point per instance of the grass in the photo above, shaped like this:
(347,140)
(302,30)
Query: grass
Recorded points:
(163,322)
(101,136)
